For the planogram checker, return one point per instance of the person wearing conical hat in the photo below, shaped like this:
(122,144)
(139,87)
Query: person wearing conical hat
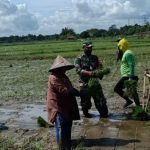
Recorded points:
(127,70)
(61,103)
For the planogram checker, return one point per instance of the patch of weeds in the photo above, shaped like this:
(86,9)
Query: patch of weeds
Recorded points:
(78,145)
(41,122)
(6,143)
(30,143)
(37,146)
(93,83)
(130,88)
(139,113)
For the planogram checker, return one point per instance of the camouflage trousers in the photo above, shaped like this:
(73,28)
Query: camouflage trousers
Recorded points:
(98,97)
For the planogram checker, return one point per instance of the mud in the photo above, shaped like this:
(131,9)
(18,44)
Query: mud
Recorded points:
(24,116)
(88,133)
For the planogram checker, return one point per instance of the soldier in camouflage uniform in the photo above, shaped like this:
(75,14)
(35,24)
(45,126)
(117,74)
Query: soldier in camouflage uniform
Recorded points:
(85,67)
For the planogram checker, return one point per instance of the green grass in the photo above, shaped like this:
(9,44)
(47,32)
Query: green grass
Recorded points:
(8,143)
(49,49)
(24,73)
(24,66)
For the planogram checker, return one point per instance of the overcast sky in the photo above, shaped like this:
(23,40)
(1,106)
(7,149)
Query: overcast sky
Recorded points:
(22,17)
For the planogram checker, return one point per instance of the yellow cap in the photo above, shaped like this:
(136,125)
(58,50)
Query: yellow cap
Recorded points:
(123,44)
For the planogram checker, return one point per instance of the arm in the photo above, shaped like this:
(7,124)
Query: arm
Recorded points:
(59,86)
(81,71)
(131,63)
(77,64)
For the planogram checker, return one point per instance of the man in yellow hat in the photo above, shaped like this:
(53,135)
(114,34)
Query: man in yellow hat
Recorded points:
(61,103)
(127,70)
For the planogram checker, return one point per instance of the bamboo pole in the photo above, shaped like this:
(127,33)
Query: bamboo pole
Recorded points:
(147,75)
(148,97)
(143,100)
(146,92)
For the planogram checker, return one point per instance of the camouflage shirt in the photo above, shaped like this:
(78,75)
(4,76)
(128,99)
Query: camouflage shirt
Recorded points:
(88,63)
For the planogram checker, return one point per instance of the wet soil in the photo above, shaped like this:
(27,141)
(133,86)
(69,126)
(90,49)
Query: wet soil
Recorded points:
(88,133)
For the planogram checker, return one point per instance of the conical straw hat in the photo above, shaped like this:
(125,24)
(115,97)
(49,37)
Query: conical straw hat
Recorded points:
(61,62)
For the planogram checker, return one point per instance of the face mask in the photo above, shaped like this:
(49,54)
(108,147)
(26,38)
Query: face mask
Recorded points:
(88,50)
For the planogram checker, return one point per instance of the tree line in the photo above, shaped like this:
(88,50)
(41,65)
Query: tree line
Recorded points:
(69,33)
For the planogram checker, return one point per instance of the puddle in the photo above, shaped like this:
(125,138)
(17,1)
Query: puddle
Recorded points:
(31,113)
(114,117)
(7,114)
(25,118)
(94,120)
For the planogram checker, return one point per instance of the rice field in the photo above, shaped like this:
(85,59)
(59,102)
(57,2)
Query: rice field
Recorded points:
(24,74)
(24,66)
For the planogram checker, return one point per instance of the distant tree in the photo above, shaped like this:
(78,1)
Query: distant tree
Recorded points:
(147,26)
(40,37)
(30,37)
(131,30)
(67,32)
(101,33)
(84,34)
(137,28)
(93,32)
(124,30)
(53,37)
(113,31)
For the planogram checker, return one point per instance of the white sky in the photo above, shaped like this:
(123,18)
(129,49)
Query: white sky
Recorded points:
(22,17)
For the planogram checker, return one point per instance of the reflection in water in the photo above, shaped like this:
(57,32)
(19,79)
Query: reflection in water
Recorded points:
(25,117)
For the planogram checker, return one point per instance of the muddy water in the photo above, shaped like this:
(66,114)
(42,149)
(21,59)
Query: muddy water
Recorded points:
(24,116)
(91,133)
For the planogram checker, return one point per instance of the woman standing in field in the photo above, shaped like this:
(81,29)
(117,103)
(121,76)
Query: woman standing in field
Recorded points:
(61,102)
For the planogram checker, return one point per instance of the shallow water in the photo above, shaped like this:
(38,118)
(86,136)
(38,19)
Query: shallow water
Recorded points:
(24,117)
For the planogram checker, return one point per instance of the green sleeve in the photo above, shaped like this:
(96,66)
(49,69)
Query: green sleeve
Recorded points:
(131,63)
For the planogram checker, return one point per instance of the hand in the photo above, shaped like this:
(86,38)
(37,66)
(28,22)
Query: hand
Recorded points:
(101,77)
(130,79)
(106,71)
(88,73)
(50,124)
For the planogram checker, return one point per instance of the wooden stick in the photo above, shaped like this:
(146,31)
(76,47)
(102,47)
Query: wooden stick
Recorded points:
(148,97)
(148,75)
(143,100)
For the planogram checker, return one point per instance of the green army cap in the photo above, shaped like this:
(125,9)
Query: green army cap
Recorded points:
(87,44)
